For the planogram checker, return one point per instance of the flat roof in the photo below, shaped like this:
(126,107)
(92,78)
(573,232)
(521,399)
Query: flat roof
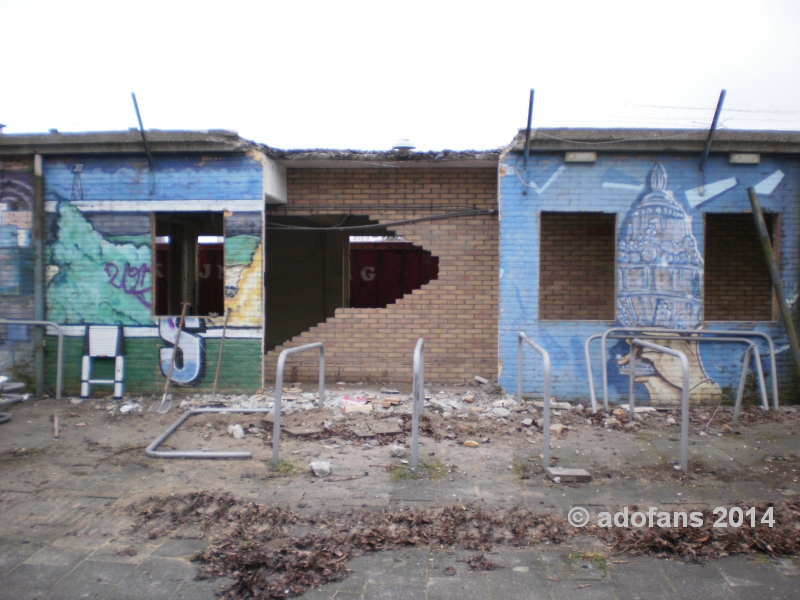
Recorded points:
(656,140)
(123,142)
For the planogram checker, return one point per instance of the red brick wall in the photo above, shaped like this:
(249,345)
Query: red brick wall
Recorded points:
(456,313)
(737,282)
(576,271)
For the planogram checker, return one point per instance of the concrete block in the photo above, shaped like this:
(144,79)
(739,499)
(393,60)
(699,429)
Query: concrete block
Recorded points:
(568,475)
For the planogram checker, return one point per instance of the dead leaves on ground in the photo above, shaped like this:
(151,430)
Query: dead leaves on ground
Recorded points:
(273,552)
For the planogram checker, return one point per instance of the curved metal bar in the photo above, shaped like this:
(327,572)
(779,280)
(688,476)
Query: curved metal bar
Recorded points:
(418,399)
(152,451)
(546,371)
(684,393)
(276,429)
(654,331)
(60,356)
(752,349)
(5,417)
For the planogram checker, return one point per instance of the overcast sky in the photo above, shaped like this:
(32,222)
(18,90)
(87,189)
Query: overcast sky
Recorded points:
(363,74)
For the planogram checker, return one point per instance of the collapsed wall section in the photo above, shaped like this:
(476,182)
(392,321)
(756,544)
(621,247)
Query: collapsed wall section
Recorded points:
(455,313)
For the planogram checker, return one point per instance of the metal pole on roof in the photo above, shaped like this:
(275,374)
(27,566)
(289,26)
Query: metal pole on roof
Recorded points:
(527,143)
(711,131)
(769,255)
(146,147)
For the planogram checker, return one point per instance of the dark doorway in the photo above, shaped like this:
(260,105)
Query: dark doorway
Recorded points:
(189,259)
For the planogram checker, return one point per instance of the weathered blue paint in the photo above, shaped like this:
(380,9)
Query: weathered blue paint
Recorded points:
(176,178)
(99,258)
(671,244)
(16,264)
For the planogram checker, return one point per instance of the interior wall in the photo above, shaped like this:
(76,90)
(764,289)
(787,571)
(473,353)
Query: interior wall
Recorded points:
(305,280)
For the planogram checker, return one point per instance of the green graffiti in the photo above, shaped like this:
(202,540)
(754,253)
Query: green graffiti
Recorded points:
(136,240)
(96,281)
(239,250)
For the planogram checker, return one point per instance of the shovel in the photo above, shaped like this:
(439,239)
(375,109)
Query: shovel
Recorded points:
(164,406)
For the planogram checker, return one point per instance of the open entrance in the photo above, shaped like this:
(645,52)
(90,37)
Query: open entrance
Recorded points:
(315,264)
(189,262)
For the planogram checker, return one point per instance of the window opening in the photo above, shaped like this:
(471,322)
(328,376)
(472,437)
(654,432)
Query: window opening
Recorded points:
(576,268)
(189,263)
(737,283)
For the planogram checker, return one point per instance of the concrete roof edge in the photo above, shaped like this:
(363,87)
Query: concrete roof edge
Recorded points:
(123,142)
(349,159)
(656,140)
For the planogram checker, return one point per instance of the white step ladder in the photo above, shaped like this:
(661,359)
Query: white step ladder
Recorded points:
(102,341)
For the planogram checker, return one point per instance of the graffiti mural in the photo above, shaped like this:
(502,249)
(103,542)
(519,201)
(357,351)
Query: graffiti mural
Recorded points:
(660,271)
(189,364)
(660,264)
(94,280)
(16,264)
(99,262)
(659,281)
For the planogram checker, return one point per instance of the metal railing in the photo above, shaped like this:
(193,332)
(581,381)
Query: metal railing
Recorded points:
(546,373)
(60,359)
(653,332)
(276,431)
(684,393)
(417,399)
(752,350)
(153,452)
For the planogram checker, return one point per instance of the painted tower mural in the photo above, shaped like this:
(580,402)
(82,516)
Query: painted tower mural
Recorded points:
(659,284)
(659,270)
(661,205)
(105,219)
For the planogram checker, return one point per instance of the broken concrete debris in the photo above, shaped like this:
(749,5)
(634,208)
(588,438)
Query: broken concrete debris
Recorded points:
(480,379)
(320,468)
(568,475)
(350,409)
(398,451)
(236,431)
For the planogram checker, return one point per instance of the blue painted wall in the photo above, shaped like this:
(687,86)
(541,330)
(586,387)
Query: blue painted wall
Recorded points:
(99,262)
(640,190)
(176,178)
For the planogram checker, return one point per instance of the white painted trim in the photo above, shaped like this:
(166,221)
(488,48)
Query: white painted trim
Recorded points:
(51,206)
(151,332)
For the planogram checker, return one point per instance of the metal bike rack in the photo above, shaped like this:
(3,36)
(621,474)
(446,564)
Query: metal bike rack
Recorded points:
(418,399)
(752,350)
(546,364)
(684,393)
(152,451)
(276,431)
(60,360)
(654,331)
